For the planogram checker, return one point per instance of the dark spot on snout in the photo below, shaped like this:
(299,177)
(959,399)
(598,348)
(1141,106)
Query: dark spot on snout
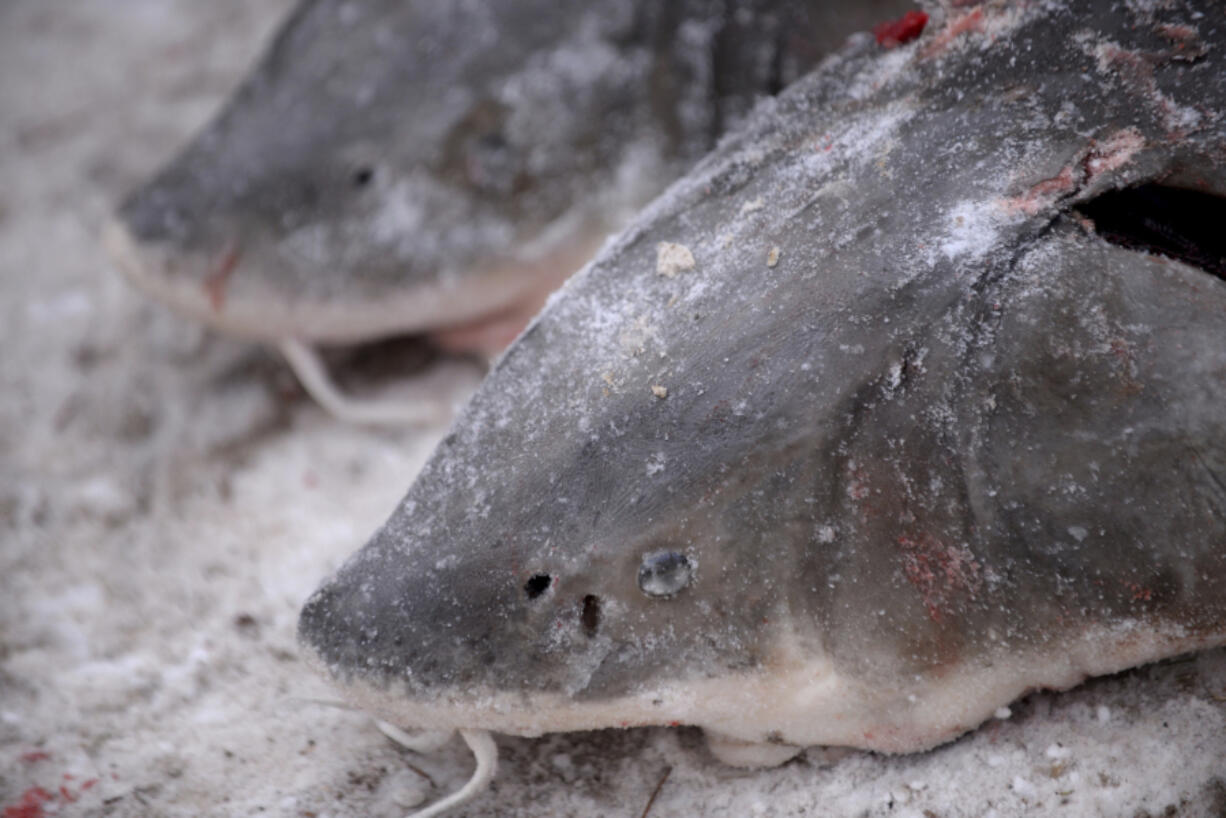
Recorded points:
(590,618)
(537,584)
(1185,225)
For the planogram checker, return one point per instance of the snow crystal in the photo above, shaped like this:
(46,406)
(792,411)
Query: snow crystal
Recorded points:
(971,228)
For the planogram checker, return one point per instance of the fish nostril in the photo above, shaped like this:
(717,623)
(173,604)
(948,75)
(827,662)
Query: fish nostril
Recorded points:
(590,618)
(537,584)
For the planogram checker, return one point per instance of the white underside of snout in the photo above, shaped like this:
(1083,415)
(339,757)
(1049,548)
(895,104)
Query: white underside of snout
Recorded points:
(801,700)
(217,293)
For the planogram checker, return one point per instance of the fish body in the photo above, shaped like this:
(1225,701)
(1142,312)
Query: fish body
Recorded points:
(406,166)
(914,425)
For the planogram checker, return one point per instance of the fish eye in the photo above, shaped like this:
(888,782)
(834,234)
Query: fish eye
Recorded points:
(665,573)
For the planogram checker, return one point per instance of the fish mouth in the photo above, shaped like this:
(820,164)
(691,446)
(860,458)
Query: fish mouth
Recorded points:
(799,700)
(219,289)
(188,283)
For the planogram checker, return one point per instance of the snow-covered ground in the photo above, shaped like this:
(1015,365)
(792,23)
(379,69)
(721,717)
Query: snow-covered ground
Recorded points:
(168,499)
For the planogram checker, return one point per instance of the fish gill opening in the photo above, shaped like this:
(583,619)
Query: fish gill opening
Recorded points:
(1185,225)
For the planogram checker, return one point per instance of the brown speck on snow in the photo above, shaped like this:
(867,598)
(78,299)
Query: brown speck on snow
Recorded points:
(659,391)
(772,257)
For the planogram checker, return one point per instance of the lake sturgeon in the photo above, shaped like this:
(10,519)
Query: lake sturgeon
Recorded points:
(413,166)
(908,400)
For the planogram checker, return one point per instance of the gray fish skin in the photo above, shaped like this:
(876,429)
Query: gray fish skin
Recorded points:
(952,447)
(393,166)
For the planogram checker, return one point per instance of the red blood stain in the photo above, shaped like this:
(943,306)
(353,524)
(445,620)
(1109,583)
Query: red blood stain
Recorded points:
(1186,40)
(1136,69)
(903,30)
(1100,157)
(971,21)
(938,571)
(35,755)
(1139,592)
(30,805)
(88,783)
(215,282)
(1112,153)
(66,795)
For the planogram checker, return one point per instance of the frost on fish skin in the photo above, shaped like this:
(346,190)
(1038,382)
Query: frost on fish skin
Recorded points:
(948,452)
(398,166)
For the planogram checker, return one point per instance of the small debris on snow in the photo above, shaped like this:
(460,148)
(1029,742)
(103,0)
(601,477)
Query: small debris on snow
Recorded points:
(405,789)
(673,258)
(1003,713)
(659,391)
(752,206)
(772,257)
(1056,752)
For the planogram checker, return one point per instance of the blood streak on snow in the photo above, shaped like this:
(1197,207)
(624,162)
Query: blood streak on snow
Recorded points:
(30,805)
(903,30)
(35,755)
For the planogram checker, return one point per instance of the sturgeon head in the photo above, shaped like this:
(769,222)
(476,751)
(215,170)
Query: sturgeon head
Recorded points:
(904,402)
(396,166)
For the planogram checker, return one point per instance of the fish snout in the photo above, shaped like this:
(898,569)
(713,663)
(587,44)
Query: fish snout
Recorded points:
(153,214)
(387,623)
